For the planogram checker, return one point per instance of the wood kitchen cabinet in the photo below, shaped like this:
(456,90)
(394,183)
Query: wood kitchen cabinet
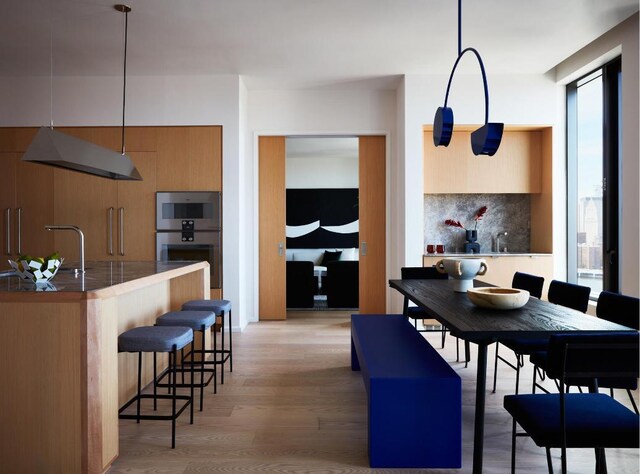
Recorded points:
(116,217)
(189,159)
(26,192)
(517,166)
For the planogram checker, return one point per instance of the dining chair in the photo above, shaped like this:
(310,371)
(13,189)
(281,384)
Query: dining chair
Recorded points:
(570,295)
(580,420)
(565,294)
(416,313)
(620,309)
(521,347)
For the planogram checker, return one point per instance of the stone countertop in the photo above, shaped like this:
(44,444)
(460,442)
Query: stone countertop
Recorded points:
(488,255)
(97,276)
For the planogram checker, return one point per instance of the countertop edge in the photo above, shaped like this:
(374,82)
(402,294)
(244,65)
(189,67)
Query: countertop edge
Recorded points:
(138,283)
(488,255)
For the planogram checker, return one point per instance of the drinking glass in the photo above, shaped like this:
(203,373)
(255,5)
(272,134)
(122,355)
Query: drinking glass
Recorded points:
(440,248)
(431,248)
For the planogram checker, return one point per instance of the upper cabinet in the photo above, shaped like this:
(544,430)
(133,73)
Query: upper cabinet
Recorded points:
(189,159)
(517,166)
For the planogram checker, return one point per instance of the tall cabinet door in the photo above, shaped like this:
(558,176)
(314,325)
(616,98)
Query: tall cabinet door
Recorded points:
(8,165)
(34,201)
(136,213)
(272,270)
(89,202)
(372,177)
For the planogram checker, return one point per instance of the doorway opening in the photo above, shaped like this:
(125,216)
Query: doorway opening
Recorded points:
(322,223)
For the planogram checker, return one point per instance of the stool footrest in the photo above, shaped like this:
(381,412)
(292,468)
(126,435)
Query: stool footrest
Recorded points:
(180,371)
(187,398)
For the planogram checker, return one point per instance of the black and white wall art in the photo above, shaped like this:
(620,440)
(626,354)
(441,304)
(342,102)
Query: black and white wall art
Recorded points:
(322,218)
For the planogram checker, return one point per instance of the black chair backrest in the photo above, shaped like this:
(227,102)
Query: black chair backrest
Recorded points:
(594,356)
(570,295)
(532,283)
(620,309)
(422,273)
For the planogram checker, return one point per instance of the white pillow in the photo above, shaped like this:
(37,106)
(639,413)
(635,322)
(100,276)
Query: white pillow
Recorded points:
(348,254)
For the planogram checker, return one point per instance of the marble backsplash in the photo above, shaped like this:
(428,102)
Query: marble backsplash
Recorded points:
(505,212)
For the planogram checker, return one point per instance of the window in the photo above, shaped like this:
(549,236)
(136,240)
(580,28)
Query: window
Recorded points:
(593,124)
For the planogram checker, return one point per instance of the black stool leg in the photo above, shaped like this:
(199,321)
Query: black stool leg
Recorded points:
(182,360)
(139,386)
(193,383)
(155,379)
(173,399)
(202,354)
(230,344)
(215,358)
(222,350)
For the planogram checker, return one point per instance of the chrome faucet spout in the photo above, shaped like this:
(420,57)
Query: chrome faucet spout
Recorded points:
(500,234)
(80,236)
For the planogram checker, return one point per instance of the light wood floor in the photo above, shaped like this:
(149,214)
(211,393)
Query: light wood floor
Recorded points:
(292,405)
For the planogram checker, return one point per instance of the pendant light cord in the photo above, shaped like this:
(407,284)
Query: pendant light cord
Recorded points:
(124,82)
(459,28)
(50,70)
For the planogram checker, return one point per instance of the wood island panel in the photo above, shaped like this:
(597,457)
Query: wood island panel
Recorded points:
(59,357)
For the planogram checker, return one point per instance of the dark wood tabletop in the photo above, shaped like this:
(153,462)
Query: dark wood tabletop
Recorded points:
(464,319)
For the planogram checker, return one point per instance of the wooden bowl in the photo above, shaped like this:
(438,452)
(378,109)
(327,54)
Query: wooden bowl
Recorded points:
(498,298)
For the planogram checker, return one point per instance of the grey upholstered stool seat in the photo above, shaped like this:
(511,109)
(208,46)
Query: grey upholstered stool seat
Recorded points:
(157,339)
(198,321)
(220,307)
(154,339)
(217,306)
(192,319)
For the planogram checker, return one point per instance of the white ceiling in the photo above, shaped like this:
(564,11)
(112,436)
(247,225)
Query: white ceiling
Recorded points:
(297,43)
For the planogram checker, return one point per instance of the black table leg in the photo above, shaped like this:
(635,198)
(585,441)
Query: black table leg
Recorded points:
(481,385)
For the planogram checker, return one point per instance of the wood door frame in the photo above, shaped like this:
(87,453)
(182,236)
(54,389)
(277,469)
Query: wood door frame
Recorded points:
(256,199)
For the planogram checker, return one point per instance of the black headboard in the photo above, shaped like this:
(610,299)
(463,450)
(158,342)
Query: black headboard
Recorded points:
(332,207)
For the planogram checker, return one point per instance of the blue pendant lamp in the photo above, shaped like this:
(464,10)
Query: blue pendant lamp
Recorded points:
(485,140)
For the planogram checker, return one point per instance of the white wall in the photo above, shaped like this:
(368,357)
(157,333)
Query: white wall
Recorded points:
(174,100)
(621,39)
(317,112)
(322,172)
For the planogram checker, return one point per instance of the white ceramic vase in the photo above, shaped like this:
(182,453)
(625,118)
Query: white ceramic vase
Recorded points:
(463,270)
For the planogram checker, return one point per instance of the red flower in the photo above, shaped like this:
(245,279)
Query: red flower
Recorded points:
(453,223)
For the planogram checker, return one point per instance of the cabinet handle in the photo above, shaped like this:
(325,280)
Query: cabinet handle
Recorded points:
(280,249)
(121,211)
(363,249)
(110,231)
(19,219)
(8,216)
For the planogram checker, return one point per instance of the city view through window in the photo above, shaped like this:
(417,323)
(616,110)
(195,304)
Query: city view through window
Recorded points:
(589,176)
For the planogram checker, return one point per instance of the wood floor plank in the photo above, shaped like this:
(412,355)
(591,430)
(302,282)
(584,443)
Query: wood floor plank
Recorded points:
(292,405)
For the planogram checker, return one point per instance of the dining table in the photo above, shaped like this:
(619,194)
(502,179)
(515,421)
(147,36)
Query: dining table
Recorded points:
(483,326)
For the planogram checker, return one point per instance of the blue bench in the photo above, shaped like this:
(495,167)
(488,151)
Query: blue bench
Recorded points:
(414,396)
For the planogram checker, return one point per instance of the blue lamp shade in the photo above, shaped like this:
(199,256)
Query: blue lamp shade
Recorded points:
(443,126)
(485,140)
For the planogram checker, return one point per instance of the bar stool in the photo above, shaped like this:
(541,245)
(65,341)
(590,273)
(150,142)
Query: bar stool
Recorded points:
(197,321)
(157,339)
(220,307)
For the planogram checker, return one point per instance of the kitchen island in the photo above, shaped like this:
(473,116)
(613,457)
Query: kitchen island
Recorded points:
(63,379)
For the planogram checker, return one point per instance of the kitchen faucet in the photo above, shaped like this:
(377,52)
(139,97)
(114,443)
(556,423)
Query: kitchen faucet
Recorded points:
(500,234)
(80,235)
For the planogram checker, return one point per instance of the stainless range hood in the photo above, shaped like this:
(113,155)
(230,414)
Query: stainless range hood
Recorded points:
(54,148)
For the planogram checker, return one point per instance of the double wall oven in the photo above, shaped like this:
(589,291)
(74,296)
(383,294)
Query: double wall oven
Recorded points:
(188,227)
